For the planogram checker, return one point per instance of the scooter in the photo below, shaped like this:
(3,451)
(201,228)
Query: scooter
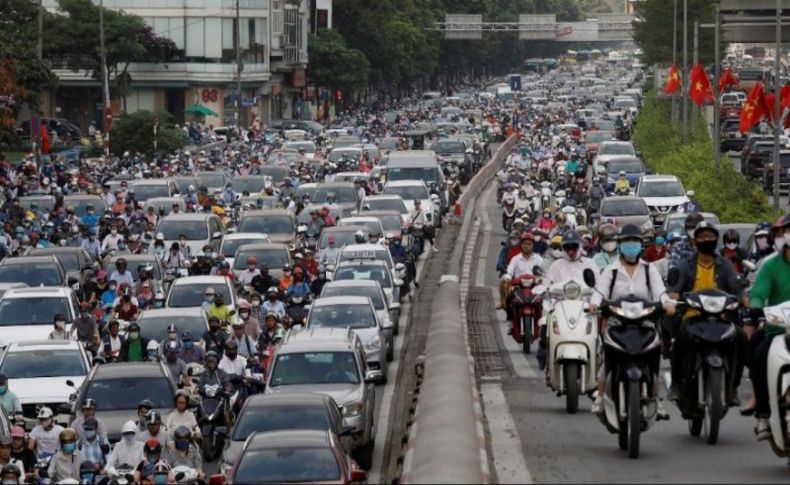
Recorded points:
(212,420)
(559,199)
(508,216)
(571,335)
(779,380)
(526,310)
(708,368)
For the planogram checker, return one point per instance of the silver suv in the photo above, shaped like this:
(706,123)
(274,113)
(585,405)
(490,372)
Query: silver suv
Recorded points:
(331,361)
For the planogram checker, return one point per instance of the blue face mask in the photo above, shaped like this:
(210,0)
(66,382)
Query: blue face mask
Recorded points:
(3,389)
(630,250)
(88,477)
(90,433)
(182,445)
(160,479)
(188,344)
(69,447)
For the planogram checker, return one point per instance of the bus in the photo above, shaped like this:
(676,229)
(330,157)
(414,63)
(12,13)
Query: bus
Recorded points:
(750,76)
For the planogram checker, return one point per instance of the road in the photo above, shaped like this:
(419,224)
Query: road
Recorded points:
(532,439)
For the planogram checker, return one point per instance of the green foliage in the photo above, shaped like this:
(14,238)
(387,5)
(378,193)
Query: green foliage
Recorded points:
(135,133)
(333,64)
(653,34)
(718,189)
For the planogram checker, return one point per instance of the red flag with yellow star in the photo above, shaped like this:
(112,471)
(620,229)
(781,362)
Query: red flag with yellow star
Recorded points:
(672,85)
(727,78)
(754,108)
(699,85)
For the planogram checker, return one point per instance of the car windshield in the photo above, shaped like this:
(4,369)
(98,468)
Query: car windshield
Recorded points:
(620,208)
(341,238)
(368,290)
(387,205)
(315,368)
(426,174)
(124,393)
(32,274)
(230,246)
(191,294)
(29,364)
(338,155)
(342,315)
(374,226)
(149,191)
(391,223)
(133,267)
(277,174)
(408,192)
(211,180)
(81,205)
(155,328)
(280,465)
(670,188)
(307,146)
(358,272)
(616,149)
(268,224)
(273,257)
(630,166)
(343,195)
(256,419)
(193,230)
(251,185)
(43,203)
(597,136)
(447,147)
(68,260)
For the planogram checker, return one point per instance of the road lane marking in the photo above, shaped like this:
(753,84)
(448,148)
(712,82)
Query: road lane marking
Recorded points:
(506,447)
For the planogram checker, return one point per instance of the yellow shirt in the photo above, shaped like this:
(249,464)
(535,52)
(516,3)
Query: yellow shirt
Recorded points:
(705,280)
(221,312)
(622,184)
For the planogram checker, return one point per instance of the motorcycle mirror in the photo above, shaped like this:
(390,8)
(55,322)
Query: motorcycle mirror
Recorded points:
(537,270)
(589,277)
(673,277)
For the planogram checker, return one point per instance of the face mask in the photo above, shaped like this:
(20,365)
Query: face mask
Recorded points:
(244,315)
(630,250)
(172,335)
(60,324)
(762,243)
(779,244)
(182,445)
(537,238)
(571,255)
(556,253)
(690,233)
(134,335)
(69,447)
(210,298)
(183,243)
(114,232)
(251,267)
(87,477)
(3,389)
(152,457)
(609,246)
(706,247)
(231,355)
(129,439)
(256,302)
(786,238)
(160,479)
(217,303)
(90,433)
(731,246)
(188,344)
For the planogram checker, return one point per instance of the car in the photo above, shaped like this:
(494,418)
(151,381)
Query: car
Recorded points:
(278,412)
(29,313)
(295,135)
(387,202)
(232,241)
(272,254)
(293,456)
(251,184)
(375,227)
(608,150)
(278,225)
(80,203)
(388,316)
(154,322)
(454,151)
(662,194)
(212,181)
(346,195)
(362,268)
(306,145)
(313,127)
(417,165)
(165,204)
(117,389)
(149,188)
(276,174)
(39,370)
(188,291)
(330,361)
(409,191)
(626,209)
(77,262)
(305,190)
(343,235)
(4,287)
(184,181)
(391,221)
(200,229)
(350,176)
(593,139)
(35,271)
(347,141)
(633,167)
(784,174)
(44,202)
(675,222)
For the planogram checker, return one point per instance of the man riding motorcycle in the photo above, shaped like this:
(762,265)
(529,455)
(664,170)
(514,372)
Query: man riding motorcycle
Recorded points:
(519,265)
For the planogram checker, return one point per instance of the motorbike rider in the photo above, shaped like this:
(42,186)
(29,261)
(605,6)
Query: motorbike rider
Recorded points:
(521,264)
(702,270)
(573,263)
(299,288)
(317,284)
(546,222)
(180,416)
(65,464)
(607,237)
(622,185)
(45,435)
(733,251)
(133,348)
(553,254)
(152,468)
(178,368)
(273,303)
(251,325)
(287,278)
(93,449)
(244,343)
(657,250)
(246,276)
(204,264)
(10,474)
(214,337)
(629,275)
(5,455)
(232,363)
(264,280)
(18,449)
(89,411)
(329,254)
(770,288)
(270,330)
(764,244)
(143,408)
(128,451)
(684,249)
(154,429)
(185,452)
(417,216)
(190,352)
(219,309)
(510,248)
(596,194)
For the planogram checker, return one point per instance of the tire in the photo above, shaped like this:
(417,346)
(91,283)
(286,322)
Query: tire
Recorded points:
(714,407)
(695,426)
(364,455)
(571,371)
(526,335)
(634,419)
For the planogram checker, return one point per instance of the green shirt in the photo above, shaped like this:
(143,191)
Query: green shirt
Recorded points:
(771,286)
(136,351)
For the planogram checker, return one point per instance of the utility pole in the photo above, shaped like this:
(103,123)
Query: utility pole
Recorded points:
(35,137)
(694,60)
(717,74)
(777,94)
(105,81)
(675,56)
(40,46)
(684,103)
(237,105)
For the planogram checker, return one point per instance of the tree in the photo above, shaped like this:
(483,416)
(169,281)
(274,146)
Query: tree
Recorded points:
(135,133)
(127,39)
(334,64)
(653,33)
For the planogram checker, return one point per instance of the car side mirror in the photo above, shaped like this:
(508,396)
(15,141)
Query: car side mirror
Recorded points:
(216,235)
(371,377)
(70,383)
(589,277)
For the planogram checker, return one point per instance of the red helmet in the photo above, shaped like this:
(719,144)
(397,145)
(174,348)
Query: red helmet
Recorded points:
(298,270)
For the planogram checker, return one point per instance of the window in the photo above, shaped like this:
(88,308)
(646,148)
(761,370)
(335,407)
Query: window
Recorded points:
(195,37)
(213,32)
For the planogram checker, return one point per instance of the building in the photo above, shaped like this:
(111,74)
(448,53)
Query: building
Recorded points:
(273,45)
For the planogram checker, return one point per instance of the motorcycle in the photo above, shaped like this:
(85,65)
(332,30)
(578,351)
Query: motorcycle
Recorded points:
(708,369)
(508,216)
(559,199)
(185,474)
(212,409)
(571,337)
(526,310)
(296,311)
(122,475)
(779,380)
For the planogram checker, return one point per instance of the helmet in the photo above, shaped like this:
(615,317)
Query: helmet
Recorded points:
(180,392)
(153,417)
(607,232)
(152,446)
(87,466)
(297,271)
(629,231)
(763,229)
(161,469)
(212,355)
(209,291)
(244,304)
(571,238)
(274,289)
(731,236)
(231,344)
(68,434)
(11,469)
(182,433)
(783,222)
(527,236)
(693,219)
(89,403)
(90,423)
(44,413)
(145,403)
(673,236)
(153,345)
(129,427)
(274,315)
(706,226)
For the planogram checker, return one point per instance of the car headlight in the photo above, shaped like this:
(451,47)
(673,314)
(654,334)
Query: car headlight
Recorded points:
(373,344)
(352,409)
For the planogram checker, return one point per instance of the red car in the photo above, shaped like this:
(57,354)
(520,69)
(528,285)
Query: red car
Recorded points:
(293,456)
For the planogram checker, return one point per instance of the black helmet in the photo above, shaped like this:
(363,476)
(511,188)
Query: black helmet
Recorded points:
(154,417)
(706,226)
(212,355)
(782,222)
(145,403)
(732,236)
(231,345)
(182,433)
(87,466)
(693,219)
(629,231)
(571,238)
(11,469)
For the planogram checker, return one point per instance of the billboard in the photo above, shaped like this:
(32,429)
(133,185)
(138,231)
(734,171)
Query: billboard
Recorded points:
(463,26)
(537,26)
(576,31)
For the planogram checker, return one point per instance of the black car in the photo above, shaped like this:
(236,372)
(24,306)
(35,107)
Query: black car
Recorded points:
(77,262)
(784,173)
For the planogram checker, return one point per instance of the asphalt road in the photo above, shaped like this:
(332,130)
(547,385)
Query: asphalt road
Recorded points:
(532,439)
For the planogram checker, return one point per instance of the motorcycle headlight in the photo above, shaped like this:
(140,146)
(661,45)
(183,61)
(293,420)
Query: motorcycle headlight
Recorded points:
(572,290)
(373,344)
(352,409)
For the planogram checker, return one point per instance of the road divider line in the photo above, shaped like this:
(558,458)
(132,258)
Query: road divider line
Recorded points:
(505,444)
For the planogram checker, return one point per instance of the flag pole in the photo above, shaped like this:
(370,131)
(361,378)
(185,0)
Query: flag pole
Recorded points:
(717,94)
(777,95)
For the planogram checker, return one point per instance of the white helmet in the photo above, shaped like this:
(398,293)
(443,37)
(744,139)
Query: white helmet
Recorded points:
(44,413)
(152,345)
(160,236)
(129,427)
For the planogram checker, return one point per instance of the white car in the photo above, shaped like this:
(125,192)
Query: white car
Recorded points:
(663,194)
(38,371)
(29,313)
(388,202)
(409,191)
(189,291)
(231,242)
(609,149)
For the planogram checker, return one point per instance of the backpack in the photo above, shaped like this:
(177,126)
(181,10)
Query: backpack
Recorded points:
(614,279)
